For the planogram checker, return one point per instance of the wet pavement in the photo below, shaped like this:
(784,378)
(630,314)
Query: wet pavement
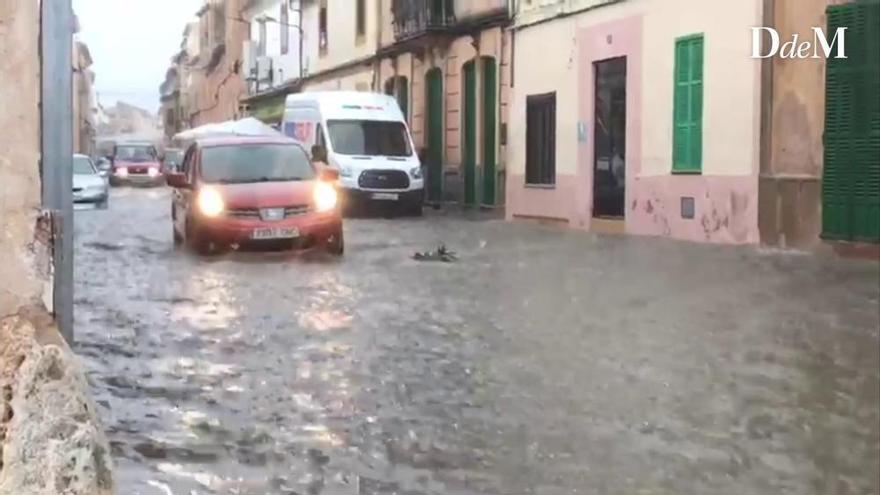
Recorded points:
(543,361)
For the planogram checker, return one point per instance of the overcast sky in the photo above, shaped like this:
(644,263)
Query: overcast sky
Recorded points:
(132,42)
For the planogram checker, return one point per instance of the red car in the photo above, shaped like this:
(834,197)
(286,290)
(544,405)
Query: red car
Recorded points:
(136,163)
(234,191)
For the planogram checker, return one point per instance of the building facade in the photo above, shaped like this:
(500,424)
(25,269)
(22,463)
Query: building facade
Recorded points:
(448,64)
(85,106)
(644,121)
(820,164)
(340,41)
(219,85)
(273,58)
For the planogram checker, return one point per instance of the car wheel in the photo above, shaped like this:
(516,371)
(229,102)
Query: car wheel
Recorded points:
(103,205)
(197,241)
(336,244)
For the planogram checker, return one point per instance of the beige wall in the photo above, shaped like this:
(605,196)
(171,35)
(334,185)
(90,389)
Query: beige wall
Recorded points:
(19,154)
(530,11)
(731,95)
(359,78)
(798,106)
(343,43)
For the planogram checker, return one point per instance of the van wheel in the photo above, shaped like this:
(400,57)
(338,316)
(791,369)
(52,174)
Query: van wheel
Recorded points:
(413,208)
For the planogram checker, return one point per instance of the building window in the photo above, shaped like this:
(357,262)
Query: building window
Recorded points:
(361,18)
(322,27)
(541,139)
(285,29)
(687,138)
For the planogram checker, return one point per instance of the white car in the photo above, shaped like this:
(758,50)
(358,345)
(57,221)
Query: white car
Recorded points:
(89,185)
(365,137)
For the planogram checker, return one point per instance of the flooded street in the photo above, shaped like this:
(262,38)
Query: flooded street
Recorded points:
(544,361)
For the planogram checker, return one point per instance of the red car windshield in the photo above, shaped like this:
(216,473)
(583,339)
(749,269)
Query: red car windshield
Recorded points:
(136,153)
(237,164)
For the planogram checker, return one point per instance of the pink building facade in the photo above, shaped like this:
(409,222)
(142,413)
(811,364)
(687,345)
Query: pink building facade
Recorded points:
(663,83)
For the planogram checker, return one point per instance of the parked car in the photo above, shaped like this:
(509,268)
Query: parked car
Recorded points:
(254,191)
(89,184)
(104,166)
(366,139)
(136,163)
(172,160)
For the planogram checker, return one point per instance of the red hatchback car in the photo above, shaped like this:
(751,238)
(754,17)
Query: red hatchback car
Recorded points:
(254,191)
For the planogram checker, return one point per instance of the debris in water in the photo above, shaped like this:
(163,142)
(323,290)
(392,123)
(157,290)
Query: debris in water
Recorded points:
(440,254)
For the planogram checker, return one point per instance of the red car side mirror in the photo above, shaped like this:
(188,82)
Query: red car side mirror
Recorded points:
(329,175)
(177,180)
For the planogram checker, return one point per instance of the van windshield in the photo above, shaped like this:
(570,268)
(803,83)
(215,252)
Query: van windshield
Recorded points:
(238,164)
(369,138)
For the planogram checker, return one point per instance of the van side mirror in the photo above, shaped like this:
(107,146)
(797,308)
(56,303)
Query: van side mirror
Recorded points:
(329,175)
(177,180)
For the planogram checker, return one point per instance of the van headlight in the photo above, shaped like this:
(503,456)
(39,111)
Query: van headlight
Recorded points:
(345,171)
(416,172)
(210,202)
(325,197)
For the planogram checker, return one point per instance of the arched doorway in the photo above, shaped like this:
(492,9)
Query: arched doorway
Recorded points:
(434,128)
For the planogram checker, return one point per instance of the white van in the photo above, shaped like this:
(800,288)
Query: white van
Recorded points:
(366,138)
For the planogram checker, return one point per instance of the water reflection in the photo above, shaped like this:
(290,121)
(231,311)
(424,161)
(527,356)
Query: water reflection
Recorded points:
(210,304)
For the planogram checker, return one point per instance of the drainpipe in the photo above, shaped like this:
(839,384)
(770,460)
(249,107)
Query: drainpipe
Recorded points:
(770,215)
(377,62)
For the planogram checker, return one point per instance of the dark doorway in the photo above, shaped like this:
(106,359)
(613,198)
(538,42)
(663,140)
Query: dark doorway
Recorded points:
(469,132)
(434,98)
(609,163)
(490,100)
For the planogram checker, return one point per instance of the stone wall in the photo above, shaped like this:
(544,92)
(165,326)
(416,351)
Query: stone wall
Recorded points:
(50,439)
(19,154)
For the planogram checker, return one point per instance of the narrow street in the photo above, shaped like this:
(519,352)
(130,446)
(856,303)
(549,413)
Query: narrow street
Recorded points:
(544,361)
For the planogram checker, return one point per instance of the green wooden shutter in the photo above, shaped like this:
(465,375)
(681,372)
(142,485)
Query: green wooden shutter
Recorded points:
(687,138)
(851,176)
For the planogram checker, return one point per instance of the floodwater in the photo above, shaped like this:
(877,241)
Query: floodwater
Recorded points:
(543,361)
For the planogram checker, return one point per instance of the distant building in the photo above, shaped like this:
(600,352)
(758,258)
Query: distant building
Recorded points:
(85,107)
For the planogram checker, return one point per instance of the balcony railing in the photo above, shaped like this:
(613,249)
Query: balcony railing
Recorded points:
(415,17)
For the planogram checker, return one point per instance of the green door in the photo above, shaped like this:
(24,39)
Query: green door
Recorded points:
(490,100)
(469,133)
(434,155)
(851,178)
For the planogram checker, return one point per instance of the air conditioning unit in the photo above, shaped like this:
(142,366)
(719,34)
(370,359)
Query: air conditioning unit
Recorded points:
(249,60)
(264,70)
